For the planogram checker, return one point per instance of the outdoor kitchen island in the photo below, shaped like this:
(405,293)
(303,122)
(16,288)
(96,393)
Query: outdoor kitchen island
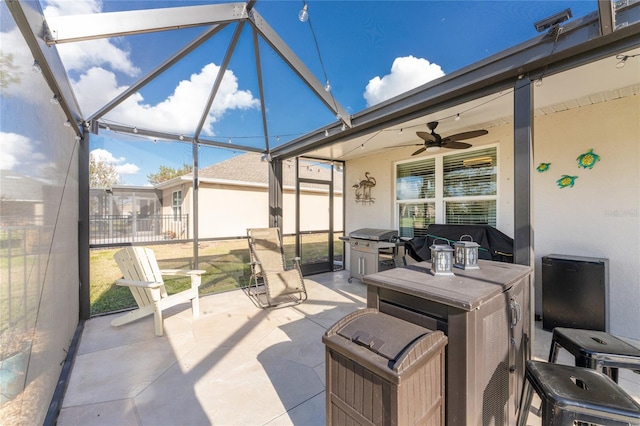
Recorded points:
(487,317)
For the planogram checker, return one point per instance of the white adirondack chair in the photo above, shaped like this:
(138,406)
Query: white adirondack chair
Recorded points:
(144,278)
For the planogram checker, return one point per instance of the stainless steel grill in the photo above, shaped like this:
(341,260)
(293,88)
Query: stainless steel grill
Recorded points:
(372,250)
(374,234)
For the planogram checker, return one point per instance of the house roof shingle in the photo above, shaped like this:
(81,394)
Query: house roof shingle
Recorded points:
(250,168)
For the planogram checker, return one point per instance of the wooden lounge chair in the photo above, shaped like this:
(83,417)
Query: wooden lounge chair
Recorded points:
(271,283)
(144,278)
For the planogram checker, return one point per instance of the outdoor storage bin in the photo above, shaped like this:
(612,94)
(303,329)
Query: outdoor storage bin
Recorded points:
(383,370)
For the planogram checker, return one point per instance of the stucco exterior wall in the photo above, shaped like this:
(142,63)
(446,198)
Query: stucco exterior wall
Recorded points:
(598,217)
(228,210)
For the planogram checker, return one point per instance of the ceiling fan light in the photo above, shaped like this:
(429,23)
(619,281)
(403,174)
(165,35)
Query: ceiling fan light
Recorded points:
(433,149)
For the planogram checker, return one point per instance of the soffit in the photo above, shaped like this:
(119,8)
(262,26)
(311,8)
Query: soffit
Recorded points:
(596,82)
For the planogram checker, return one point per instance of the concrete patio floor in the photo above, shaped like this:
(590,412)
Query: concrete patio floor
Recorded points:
(234,365)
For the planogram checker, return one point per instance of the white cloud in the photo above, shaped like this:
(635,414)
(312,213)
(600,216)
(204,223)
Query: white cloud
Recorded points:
(98,61)
(122,168)
(80,56)
(179,113)
(18,151)
(76,7)
(13,146)
(406,73)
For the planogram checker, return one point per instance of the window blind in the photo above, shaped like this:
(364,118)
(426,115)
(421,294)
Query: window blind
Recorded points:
(415,218)
(416,180)
(470,173)
(471,212)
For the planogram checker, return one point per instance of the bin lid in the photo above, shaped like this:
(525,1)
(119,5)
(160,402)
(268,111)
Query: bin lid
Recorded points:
(383,334)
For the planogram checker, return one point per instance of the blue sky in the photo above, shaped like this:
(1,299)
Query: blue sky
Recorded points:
(371,50)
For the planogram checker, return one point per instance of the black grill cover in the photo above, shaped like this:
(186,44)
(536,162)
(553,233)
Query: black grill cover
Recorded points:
(494,245)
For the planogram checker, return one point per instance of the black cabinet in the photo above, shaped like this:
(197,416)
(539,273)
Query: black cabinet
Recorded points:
(575,292)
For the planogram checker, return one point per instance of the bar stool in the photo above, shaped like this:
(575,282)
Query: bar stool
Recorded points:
(571,394)
(595,349)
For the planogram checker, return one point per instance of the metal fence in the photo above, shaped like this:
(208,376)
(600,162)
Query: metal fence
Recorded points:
(106,230)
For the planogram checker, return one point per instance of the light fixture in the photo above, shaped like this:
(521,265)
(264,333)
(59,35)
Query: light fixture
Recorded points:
(326,132)
(466,253)
(538,82)
(327,86)
(107,128)
(433,148)
(457,117)
(362,146)
(400,132)
(230,141)
(441,259)
(344,127)
(303,15)
(135,130)
(36,67)
(55,100)
(67,123)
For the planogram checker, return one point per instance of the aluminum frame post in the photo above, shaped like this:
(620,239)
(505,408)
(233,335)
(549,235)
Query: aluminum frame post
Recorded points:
(523,161)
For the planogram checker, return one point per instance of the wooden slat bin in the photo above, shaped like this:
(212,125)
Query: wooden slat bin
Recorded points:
(381,370)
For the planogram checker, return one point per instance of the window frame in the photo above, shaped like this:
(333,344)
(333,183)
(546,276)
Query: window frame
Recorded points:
(176,208)
(440,201)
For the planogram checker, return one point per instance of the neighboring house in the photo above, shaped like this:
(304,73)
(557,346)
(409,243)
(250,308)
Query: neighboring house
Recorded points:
(124,214)
(21,199)
(234,193)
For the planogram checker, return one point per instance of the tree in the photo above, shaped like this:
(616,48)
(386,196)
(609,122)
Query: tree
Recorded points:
(102,174)
(165,173)
(9,73)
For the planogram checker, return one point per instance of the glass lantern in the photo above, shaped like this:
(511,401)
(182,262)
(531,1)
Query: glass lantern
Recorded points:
(441,259)
(466,253)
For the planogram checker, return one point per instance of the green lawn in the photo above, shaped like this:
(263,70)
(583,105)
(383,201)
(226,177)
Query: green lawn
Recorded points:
(226,263)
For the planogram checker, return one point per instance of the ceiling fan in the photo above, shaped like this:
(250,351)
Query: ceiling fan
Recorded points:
(433,141)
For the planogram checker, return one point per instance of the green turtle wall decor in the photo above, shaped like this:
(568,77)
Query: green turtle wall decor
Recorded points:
(566,181)
(588,159)
(543,167)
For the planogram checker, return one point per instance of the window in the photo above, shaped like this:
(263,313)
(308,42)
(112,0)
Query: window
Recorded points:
(470,187)
(467,191)
(415,191)
(176,205)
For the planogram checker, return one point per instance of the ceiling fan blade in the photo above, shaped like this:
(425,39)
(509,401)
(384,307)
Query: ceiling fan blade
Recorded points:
(455,145)
(426,136)
(466,135)
(421,150)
